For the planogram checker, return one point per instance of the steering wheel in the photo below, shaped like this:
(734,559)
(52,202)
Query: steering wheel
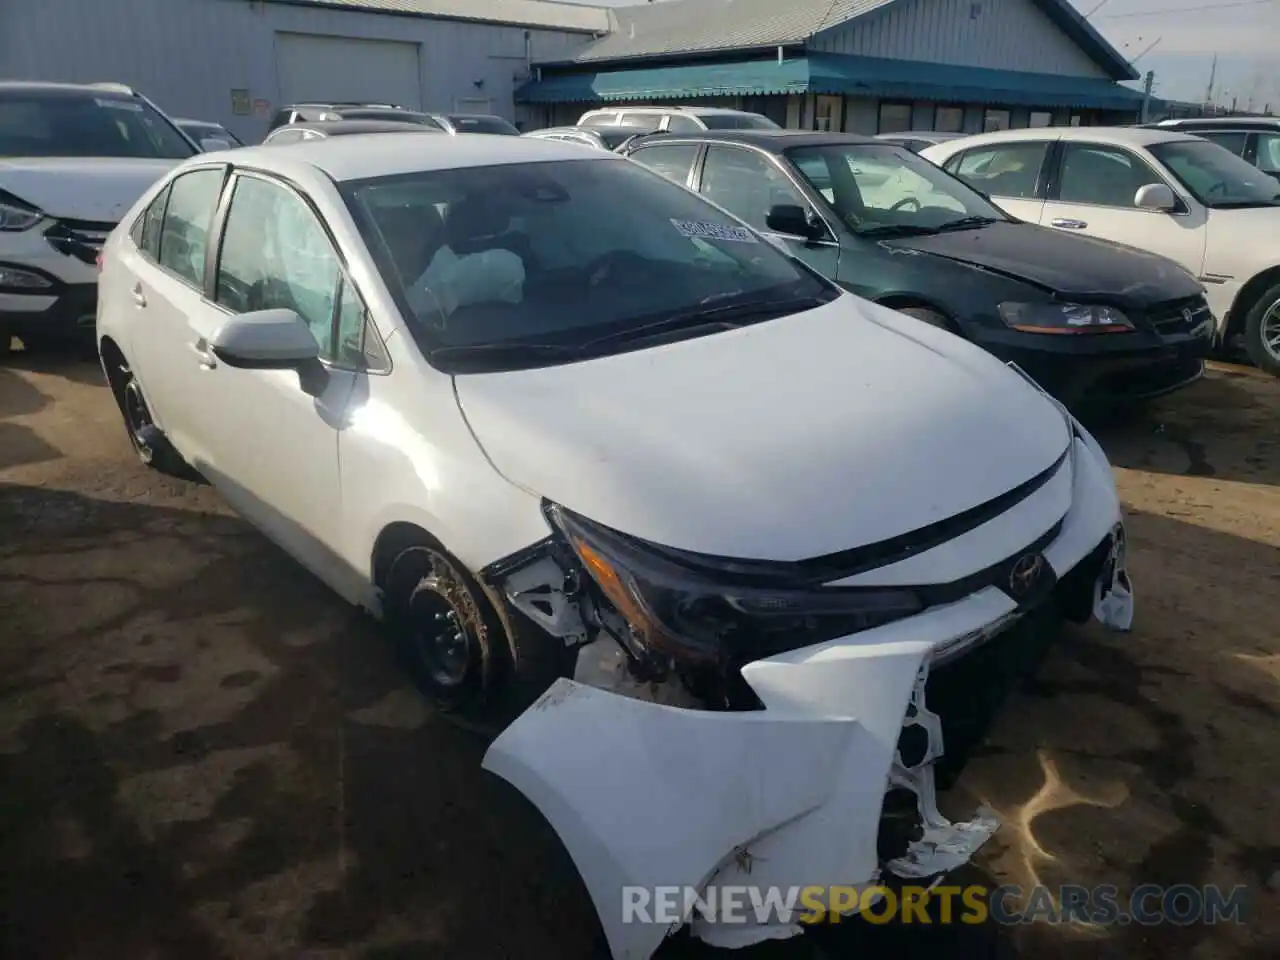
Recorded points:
(903,202)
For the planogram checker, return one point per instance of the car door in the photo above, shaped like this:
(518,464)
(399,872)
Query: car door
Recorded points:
(1092,192)
(274,435)
(749,183)
(168,274)
(1012,173)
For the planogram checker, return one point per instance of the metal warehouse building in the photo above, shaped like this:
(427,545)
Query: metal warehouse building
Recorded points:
(236,61)
(866,66)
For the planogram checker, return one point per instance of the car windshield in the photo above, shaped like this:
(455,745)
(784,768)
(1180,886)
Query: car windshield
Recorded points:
(472,124)
(198,131)
(32,125)
(1216,176)
(737,121)
(615,138)
(385,113)
(518,265)
(878,189)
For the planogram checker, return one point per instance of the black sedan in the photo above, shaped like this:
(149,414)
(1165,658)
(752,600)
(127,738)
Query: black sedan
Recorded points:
(1089,319)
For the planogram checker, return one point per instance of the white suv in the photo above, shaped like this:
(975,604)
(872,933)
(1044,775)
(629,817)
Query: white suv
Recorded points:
(73,159)
(677,119)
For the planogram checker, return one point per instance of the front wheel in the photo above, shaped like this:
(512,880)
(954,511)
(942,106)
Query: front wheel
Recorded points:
(1262,332)
(477,667)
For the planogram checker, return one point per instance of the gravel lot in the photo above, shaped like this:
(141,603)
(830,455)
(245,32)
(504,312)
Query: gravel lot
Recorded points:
(203,754)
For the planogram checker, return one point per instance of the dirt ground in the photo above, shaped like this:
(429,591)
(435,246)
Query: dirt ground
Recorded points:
(205,755)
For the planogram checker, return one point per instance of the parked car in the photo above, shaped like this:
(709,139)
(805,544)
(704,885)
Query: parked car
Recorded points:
(543,411)
(448,122)
(321,130)
(676,119)
(917,140)
(1255,140)
(1090,320)
(73,159)
(210,136)
(1160,190)
(602,138)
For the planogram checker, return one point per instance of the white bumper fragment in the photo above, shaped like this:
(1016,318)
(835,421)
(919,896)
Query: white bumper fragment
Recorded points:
(648,796)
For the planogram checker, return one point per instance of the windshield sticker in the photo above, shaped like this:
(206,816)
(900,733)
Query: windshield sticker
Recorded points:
(700,229)
(119,105)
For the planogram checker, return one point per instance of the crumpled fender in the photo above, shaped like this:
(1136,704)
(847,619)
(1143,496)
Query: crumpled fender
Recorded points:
(648,795)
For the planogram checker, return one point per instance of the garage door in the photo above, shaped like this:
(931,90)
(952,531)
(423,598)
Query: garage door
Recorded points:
(311,67)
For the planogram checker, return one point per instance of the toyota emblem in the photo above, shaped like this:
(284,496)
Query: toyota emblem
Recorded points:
(1026,574)
(1187,315)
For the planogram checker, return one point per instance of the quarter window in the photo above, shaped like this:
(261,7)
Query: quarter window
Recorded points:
(1007,170)
(673,162)
(746,184)
(1106,176)
(147,230)
(275,255)
(184,235)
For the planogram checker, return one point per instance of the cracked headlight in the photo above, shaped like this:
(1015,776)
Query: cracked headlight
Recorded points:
(699,609)
(17,215)
(1063,318)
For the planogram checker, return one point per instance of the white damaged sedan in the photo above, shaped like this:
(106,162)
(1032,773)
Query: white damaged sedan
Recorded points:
(732,561)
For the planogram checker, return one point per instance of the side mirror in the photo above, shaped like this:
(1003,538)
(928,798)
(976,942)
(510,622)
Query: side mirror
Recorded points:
(276,339)
(793,219)
(1155,196)
(214,144)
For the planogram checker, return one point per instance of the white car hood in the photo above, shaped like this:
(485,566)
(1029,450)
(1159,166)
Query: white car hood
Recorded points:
(789,439)
(82,188)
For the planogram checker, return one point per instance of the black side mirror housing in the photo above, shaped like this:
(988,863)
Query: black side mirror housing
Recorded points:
(793,219)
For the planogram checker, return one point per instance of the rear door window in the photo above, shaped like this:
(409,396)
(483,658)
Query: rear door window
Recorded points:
(673,161)
(184,233)
(1002,170)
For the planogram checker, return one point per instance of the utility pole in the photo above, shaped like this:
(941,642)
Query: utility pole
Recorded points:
(1213,75)
(1146,95)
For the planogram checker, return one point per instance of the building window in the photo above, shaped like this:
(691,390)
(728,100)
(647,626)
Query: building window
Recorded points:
(827,114)
(995,120)
(1040,118)
(948,119)
(894,117)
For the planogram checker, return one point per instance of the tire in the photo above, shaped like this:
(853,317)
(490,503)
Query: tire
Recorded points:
(1262,331)
(478,667)
(148,442)
(924,314)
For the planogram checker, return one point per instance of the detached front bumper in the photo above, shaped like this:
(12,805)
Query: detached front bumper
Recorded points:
(649,797)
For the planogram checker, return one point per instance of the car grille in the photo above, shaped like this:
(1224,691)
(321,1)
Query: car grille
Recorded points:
(1179,316)
(82,239)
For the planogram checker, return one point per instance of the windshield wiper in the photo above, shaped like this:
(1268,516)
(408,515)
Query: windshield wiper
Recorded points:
(896,230)
(725,315)
(504,352)
(963,223)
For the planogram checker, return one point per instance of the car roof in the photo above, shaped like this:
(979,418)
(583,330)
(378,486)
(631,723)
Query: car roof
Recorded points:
(387,155)
(920,135)
(1120,136)
(1188,122)
(336,128)
(775,141)
(51,89)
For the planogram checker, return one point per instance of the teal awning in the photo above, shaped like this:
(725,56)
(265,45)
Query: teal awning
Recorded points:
(671,83)
(832,73)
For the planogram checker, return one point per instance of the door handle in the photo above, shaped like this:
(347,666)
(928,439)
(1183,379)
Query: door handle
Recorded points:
(1069,224)
(139,297)
(204,354)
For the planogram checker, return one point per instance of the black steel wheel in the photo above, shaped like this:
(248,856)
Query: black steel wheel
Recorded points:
(137,418)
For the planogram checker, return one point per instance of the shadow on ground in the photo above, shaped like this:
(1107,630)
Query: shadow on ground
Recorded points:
(204,754)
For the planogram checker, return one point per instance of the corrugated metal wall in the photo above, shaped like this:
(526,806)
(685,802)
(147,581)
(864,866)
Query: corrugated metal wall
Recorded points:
(189,55)
(1000,34)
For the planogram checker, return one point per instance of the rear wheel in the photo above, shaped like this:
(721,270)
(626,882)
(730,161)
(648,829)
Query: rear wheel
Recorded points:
(147,439)
(1262,332)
